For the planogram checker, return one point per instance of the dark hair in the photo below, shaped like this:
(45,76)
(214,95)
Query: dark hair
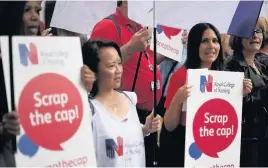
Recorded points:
(22,25)
(193,60)
(90,52)
(11,13)
(119,3)
(49,9)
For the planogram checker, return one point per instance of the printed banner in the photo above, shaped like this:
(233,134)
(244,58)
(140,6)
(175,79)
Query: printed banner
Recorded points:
(169,42)
(214,113)
(52,103)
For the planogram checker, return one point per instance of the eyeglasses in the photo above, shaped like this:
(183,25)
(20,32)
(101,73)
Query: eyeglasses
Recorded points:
(258,32)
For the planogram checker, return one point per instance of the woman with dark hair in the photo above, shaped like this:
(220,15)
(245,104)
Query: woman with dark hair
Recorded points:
(31,24)
(118,134)
(254,144)
(204,50)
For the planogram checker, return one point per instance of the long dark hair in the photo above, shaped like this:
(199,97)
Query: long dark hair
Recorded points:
(11,13)
(193,60)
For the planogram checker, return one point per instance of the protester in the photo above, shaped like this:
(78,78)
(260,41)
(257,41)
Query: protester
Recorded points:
(9,125)
(10,16)
(133,40)
(254,144)
(207,55)
(167,68)
(118,134)
(25,20)
(31,24)
(262,55)
(204,50)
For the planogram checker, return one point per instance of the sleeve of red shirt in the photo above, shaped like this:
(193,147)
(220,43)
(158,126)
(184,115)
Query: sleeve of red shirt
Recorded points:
(176,81)
(106,30)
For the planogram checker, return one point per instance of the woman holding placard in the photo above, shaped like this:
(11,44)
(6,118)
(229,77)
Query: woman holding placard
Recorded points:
(118,134)
(254,144)
(204,50)
(31,24)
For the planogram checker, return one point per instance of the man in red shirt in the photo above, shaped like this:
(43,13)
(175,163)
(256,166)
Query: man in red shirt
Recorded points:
(133,40)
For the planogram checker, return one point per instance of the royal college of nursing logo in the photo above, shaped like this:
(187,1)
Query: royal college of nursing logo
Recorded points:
(112,147)
(206,83)
(28,54)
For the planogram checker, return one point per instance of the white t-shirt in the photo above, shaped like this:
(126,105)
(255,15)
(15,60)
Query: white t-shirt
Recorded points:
(118,141)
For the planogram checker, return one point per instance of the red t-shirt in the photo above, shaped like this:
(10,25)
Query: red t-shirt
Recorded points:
(177,80)
(106,30)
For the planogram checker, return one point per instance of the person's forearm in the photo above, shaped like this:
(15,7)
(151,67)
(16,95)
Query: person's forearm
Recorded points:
(145,132)
(173,114)
(126,52)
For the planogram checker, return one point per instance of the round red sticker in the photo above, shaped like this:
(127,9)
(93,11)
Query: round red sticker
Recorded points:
(50,110)
(215,126)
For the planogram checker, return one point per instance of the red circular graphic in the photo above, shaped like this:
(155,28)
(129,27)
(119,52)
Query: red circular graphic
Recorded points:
(215,126)
(50,110)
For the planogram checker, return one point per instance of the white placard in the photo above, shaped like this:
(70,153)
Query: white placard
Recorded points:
(80,16)
(52,103)
(169,42)
(213,124)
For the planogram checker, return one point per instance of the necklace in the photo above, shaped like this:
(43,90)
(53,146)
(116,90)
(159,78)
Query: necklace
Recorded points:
(114,109)
(109,104)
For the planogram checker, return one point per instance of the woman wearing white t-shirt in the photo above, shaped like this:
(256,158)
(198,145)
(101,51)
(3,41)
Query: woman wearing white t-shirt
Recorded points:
(118,134)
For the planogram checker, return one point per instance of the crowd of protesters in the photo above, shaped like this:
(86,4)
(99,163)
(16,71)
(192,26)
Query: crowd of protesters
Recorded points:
(118,74)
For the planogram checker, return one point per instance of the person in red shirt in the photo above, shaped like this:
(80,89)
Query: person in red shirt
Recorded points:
(133,40)
(204,50)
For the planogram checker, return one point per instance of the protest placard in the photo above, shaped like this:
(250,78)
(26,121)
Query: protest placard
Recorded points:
(52,103)
(214,113)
